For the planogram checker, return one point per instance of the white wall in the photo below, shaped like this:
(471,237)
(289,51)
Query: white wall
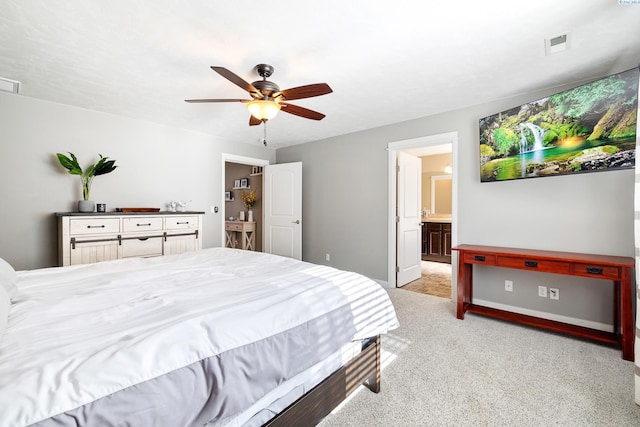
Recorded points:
(345,208)
(156,164)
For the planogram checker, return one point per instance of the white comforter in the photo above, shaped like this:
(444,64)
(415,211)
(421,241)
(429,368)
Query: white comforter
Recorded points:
(76,334)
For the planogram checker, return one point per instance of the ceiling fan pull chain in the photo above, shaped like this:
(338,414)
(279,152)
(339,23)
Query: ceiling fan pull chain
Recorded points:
(264,140)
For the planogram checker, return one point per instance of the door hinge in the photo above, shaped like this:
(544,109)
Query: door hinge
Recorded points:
(397,269)
(397,168)
(397,219)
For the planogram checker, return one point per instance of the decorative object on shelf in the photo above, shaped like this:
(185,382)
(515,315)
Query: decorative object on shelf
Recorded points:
(182,206)
(241,216)
(228,196)
(103,166)
(172,206)
(236,183)
(249,200)
(138,210)
(101,207)
(244,183)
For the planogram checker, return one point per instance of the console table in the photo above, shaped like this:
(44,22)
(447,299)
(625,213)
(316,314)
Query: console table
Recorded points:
(245,230)
(614,268)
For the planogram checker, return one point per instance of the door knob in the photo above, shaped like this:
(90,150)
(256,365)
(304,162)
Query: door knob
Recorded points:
(297,221)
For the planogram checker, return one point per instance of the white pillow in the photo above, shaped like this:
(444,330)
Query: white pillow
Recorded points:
(8,278)
(5,303)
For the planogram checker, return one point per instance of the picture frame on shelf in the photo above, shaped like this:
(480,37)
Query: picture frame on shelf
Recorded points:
(228,197)
(244,183)
(236,183)
(254,170)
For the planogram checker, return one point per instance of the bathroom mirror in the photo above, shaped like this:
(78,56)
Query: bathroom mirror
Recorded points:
(441,195)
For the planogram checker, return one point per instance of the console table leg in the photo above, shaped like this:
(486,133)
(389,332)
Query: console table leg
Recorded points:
(626,314)
(465,276)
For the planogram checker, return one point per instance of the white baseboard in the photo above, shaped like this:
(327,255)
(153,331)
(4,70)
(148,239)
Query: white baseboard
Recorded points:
(384,284)
(549,316)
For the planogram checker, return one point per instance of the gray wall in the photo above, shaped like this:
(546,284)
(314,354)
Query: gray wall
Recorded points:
(156,164)
(345,208)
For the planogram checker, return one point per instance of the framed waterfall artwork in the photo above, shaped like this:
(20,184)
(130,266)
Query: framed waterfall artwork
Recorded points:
(589,128)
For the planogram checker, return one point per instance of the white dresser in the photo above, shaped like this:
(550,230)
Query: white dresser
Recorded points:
(88,238)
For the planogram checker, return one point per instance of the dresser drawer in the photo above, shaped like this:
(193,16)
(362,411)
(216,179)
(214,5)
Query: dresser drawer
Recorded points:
(180,222)
(151,246)
(142,224)
(94,225)
(597,271)
(557,267)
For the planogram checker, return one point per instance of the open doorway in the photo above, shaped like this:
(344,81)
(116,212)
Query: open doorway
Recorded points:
(241,175)
(438,149)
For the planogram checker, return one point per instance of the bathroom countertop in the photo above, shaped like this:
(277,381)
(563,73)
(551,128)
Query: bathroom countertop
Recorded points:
(446,220)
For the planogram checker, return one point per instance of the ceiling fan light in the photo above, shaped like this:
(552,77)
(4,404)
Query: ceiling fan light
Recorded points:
(263,110)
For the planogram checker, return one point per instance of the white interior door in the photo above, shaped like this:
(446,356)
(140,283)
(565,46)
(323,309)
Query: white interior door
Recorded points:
(283,209)
(409,231)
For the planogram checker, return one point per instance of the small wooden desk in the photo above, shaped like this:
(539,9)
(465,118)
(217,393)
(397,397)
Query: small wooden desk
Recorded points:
(615,268)
(245,230)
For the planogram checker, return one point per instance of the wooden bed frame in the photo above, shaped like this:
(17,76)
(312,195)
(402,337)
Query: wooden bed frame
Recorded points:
(316,404)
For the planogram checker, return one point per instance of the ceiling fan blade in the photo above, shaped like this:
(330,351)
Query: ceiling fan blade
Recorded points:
(254,121)
(237,80)
(217,100)
(306,91)
(302,112)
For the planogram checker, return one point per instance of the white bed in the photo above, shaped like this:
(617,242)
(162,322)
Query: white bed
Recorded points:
(218,336)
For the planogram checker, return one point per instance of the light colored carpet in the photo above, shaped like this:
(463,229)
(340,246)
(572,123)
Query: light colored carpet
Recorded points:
(441,371)
(435,280)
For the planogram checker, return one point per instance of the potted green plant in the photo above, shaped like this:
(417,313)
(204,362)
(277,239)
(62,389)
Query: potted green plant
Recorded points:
(103,166)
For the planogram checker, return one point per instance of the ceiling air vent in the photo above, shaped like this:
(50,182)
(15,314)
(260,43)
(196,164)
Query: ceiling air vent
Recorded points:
(557,44)
(10,86)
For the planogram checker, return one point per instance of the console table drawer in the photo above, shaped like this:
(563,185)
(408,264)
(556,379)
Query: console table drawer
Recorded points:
(471,258)
(598,271)
(558,267)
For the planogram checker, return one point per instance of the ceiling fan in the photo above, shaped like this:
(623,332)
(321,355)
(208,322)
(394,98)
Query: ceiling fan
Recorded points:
(267,98)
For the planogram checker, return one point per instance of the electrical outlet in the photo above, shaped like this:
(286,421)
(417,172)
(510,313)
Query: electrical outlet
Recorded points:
(554,293)
(327,257)
(542,291)
(508,285)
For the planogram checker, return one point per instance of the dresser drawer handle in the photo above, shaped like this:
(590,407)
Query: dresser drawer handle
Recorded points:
(95,226)
(142,239)
(594,270)
(479,258)
(144,225)
(533,264)
(184,222)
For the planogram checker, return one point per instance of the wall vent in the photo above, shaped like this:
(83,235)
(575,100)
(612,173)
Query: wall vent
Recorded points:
(11,86)
(557,44)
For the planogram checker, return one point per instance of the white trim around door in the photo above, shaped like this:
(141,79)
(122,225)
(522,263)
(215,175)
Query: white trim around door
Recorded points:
(226,157)
(393,148)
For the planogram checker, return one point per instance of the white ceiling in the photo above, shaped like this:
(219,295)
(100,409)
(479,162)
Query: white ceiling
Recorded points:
(387,62)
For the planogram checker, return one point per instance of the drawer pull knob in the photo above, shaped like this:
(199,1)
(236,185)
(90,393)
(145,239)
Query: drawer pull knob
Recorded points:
(144,225)
(142,239)
(479,257)
(594,270)
(533,264)
(95,226)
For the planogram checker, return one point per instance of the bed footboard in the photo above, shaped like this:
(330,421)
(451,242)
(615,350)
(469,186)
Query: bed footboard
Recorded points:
(312,407)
